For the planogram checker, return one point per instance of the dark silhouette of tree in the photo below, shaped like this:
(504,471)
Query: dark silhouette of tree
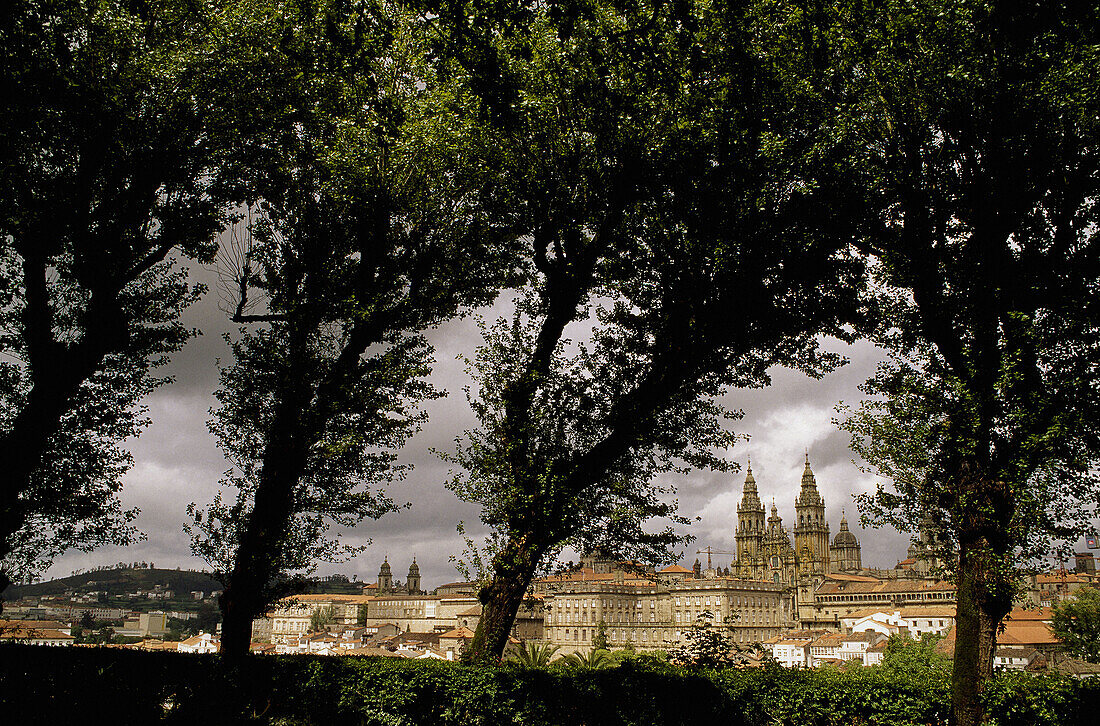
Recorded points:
(370,229)
(980,166)
(665,215)
(114,150)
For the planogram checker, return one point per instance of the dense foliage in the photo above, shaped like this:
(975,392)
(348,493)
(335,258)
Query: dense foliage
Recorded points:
(1076,622)
(370,227)
(660,161)
(112,164)
(48,685)
(981,174)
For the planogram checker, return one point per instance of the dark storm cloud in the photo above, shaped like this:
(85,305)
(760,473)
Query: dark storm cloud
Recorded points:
(177,462)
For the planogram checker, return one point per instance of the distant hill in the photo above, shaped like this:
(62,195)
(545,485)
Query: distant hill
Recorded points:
(118,581)
(121,580)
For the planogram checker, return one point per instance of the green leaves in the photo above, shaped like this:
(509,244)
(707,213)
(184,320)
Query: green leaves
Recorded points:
(1076,622)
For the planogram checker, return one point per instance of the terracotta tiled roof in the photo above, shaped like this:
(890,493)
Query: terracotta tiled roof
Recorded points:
(829,640)
(1055,578)
(321,597)
(368,651)
(871,586)
(459,632)
(1026,633)
(39,624)
(841,577)
(1022,614)
(908,611)
(677,569)
(33,633)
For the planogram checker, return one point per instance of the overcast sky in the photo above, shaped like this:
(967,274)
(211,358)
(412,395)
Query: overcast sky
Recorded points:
(177,462)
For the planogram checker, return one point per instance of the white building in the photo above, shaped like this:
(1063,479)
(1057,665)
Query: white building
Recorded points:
(913,620)
(201,643)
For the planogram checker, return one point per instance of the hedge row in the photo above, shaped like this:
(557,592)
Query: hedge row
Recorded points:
(94,685)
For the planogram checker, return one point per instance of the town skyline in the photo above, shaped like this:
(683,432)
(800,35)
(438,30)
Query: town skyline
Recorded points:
(177,462)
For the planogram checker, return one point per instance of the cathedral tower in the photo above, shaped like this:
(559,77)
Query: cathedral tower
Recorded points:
(844,553)
(811,531)
(750,521)
(413,581)
(385,577)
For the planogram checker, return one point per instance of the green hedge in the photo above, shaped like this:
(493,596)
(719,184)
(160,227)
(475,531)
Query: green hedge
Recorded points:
(100,685)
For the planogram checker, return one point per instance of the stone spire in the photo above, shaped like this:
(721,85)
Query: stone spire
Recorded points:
(811,529)
(809,493)
(775,521)
(413,580)
(749,496)
(750,519)
(385,577)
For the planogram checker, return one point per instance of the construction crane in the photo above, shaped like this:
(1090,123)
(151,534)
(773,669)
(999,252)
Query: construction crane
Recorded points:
(710,552)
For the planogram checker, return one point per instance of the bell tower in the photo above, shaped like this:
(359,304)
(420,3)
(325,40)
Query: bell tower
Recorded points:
(413,580)
(811,531)
(750,521)
(385,577)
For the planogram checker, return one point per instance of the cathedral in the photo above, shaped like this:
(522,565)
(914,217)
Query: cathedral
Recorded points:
(764,548)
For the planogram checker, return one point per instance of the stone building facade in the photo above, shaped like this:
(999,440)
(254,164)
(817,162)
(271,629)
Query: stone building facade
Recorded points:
(764,547)
(765,551)
(653,612)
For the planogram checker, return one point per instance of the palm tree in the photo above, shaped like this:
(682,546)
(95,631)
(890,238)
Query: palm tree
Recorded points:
(533,655)
(592,659)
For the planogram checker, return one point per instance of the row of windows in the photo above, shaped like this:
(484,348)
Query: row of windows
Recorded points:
(887,597)
(734,601)
(654,637)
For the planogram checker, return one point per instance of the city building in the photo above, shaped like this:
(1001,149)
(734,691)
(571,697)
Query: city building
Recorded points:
(387,586)
(652,611)
(292,616)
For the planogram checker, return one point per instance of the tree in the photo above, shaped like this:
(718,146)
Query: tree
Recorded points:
(115,161)
(918,660)
(533,655)
(599,639)
(595,659)
(707,644)
(979,166)
(369,231)
(664,215)
(321,617)
(1076,622)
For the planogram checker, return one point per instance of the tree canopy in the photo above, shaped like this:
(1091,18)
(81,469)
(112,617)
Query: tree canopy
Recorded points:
(370,228)
(1076,622)
(979,168)
(666,217)
(114,161)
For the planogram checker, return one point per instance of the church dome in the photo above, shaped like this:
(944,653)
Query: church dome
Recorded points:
(844,538)
(385,569)
(414,569)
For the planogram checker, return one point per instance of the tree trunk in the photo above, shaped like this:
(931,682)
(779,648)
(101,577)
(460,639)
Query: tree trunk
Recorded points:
(249,588)
(24,445)
(978,616)
(248,591)
(513,570)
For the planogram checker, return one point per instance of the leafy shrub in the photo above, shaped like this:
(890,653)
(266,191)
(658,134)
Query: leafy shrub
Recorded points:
(50,685)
